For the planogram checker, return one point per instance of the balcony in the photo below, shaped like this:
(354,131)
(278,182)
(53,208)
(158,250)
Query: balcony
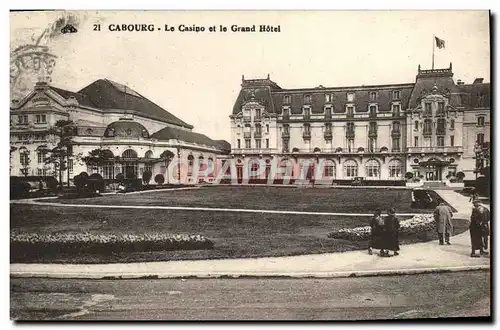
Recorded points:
(247,134)
(246,119)
(328,135)
(427,132)
(306,135)
(396,133)
(372,133)
(285,134)
(257,119)
(424,150)
(441,131)
(349,134)
(250,151)
(257,134)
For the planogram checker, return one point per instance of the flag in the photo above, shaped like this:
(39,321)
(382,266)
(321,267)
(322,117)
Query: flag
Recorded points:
(439,43)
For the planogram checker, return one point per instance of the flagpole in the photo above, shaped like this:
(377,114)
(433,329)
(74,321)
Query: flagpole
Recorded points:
(433,46)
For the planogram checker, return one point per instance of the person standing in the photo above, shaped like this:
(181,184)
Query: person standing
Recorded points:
(392,232)
(377,233)
(479,229)
(444,226)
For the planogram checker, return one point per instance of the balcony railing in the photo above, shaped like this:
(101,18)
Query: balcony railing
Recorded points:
(257,119)
(435,149)
(372,133)
(247,134)
(285,134)
(349,134)
(306,135)
(328,135)
(257,134)
(427,132)
(246,119)
(253,150)
(440,131)
(395,133)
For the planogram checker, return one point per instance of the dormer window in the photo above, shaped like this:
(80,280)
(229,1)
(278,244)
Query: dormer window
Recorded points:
(286,99)
(480,121)
(396,95)
(307,99)
(328,98)
(350,97)
(89,131)
(373,96)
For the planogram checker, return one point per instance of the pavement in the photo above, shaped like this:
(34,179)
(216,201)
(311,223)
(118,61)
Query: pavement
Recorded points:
(417,258)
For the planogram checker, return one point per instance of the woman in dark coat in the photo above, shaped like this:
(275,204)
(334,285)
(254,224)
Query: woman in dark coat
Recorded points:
(392,232)
(377,233)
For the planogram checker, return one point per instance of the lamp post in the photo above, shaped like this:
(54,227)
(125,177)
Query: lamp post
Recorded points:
(178,159)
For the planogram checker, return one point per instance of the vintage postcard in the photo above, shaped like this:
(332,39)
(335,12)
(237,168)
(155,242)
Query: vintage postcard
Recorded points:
(250,165)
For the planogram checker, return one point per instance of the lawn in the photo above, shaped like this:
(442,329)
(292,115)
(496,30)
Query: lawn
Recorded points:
(236,235)
(343,200)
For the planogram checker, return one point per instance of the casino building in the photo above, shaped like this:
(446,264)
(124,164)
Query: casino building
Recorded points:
(133,131)
(429,127)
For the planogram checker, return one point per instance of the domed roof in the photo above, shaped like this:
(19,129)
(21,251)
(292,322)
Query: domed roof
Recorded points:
(126,129)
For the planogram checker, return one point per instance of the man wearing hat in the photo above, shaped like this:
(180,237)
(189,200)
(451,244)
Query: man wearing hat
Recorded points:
(479,228)
(442,216)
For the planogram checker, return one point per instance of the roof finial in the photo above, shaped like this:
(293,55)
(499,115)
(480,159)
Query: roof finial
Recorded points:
(419,68)
(450,65)
(242,78)
(268,76)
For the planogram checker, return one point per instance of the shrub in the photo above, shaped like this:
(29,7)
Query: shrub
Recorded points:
(120,177)
(33,243)
(96,182)
(460,176)
(159,178)
(130,173)
(409,175)
(146,176)
(52,183)
(19,189)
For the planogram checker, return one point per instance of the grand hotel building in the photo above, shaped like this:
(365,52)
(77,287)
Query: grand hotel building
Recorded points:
(429,127)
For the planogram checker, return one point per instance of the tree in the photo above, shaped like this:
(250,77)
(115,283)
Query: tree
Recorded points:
(60,155)
(97,158)
(146,176)
(167,157)
(25,162)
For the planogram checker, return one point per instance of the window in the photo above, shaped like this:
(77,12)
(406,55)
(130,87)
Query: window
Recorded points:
(395,110)
(350,168)
(415,141)
(373,111)
(328,112)
(395,168)
(428,109)
(70,165)
(416,125)
(372,128)
(480,138)
(440,141)
(41,156)
(286,145)
(24,157)
(267,128)
(350,145)
(427,126)
(452,140)
(372,144)
(148,154)
(441,126)
(373,96)
(328,98)
(257,143)
(372,168)
(286,113)
(480,121)
(329,170)
(248,143)
(307,128)
(238,142)
(441,108)
(350,129)
(350,97)
(396,127)
(258,129)
(307,99)
(267,143)
(129,153)
(23,119)
(190,165)
(286,129)
(350,112)
(286,99)
(427,142)
(108,171)
(452,124)
(307,113)
(257,114)
(396,95)
(328,128)
(395,144)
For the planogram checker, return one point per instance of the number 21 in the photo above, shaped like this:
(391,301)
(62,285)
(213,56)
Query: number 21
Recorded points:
(97,27)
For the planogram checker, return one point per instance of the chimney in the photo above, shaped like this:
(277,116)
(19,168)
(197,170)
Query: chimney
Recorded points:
(478,80)
(460,82)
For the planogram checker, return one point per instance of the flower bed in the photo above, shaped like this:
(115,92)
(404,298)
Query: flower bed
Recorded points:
(32,243)
(419,223)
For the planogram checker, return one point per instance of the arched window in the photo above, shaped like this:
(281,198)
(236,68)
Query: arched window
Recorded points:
(329,169)
(350,168)
(148,154)
(129,153)
(317,149)
(372,168)
(190,164)
(24,156)
(211,166)
(201,163)
(395,168)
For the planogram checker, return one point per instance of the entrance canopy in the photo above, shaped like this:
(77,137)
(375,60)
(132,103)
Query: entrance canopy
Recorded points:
(434,162)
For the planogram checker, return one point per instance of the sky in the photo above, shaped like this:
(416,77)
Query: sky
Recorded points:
(197,76)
